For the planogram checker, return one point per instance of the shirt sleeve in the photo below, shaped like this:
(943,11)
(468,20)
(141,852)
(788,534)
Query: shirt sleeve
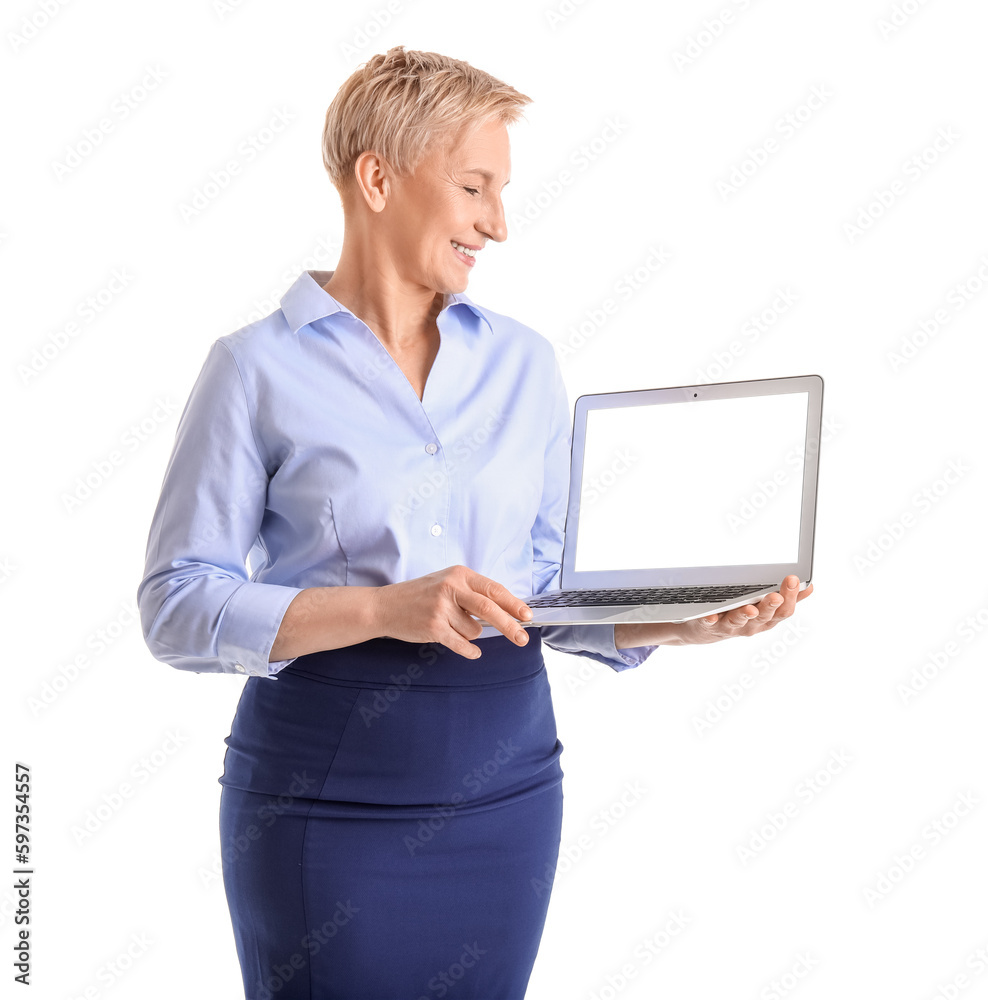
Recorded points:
(199,611)
(593,641)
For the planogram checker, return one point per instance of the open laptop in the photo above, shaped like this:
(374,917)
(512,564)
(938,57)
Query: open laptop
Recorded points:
(686,501)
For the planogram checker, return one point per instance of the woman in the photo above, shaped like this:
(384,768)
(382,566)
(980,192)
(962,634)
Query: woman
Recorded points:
(392,460)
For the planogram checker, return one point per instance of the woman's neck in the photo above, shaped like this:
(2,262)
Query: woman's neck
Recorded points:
(400,315)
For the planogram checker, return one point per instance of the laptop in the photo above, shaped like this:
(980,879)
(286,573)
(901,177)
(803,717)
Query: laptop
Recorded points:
(687,500)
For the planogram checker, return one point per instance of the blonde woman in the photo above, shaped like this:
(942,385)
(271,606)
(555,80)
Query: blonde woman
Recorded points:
(392,459)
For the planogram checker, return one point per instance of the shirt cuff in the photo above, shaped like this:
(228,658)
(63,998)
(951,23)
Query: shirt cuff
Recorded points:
(249,625)
(595,642)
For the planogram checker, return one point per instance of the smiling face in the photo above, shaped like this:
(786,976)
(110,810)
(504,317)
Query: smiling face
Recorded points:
(451,203)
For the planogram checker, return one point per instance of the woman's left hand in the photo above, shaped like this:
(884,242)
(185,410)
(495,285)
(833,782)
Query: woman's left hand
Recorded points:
(749,619)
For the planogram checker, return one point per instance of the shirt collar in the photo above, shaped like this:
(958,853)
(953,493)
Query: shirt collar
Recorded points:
(306,301)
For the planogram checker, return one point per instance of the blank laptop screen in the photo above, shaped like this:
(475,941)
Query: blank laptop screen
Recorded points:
(715,482)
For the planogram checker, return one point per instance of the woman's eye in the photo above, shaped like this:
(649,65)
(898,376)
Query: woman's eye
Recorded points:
(471,190)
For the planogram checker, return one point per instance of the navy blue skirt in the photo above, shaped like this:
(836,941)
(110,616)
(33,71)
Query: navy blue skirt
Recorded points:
(390,820)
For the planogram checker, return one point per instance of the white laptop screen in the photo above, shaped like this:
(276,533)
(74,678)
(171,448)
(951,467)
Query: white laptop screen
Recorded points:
(713,482)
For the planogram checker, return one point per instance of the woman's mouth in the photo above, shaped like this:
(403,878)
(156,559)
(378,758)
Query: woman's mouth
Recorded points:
(466,254)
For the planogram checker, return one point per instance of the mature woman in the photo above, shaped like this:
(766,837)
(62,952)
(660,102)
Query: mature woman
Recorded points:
(392,460)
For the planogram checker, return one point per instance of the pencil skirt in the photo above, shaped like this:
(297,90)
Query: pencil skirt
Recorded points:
(390,822)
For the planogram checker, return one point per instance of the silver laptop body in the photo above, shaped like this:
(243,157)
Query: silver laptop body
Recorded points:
(687,500)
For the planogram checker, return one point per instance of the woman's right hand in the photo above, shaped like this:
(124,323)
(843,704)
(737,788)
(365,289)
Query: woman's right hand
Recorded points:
(437,607)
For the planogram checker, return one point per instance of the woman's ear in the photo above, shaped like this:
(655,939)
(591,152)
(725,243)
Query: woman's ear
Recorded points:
(372,174)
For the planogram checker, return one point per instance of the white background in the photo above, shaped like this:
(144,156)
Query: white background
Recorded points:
(655,810)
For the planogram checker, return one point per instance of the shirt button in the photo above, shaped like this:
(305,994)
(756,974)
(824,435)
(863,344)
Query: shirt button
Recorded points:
(240,667)
(431,448)
(436,529)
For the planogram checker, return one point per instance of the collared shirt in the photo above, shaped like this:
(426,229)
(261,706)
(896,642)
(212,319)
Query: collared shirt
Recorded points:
(305,458)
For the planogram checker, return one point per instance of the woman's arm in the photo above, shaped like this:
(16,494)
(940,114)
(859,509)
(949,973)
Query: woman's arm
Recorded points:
(627,635)
(437,607)
(326,618)
(199,609)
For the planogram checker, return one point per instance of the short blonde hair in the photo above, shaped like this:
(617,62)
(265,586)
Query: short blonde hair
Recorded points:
(400,103)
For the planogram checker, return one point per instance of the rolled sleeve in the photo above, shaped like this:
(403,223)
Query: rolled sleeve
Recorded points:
(199,610)
(249,625)
(594,641)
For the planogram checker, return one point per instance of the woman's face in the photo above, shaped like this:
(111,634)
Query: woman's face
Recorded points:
(453,197)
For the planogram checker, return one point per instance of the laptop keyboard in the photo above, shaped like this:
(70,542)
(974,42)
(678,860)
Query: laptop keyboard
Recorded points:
(644,595)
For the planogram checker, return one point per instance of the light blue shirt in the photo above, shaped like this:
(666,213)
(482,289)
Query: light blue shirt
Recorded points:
(304,458)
